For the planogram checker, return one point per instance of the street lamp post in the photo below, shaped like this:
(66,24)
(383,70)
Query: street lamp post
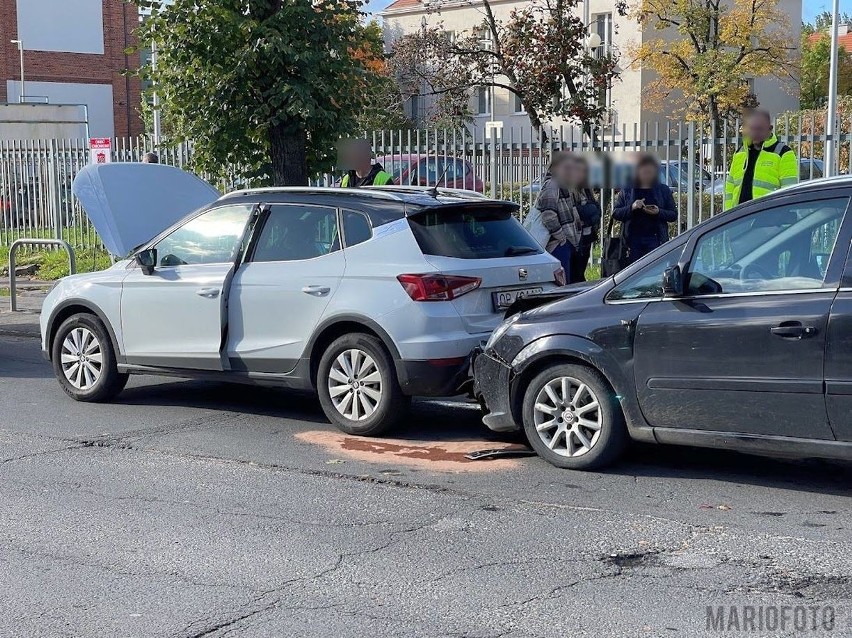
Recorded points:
(20,44)
(831,121)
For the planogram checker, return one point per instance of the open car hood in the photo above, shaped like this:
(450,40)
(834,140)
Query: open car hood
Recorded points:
(130,203)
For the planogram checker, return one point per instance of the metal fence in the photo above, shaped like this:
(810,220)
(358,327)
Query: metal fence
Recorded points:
(36,175)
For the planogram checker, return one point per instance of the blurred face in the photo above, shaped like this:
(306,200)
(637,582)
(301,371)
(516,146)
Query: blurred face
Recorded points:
(758,128)
(356,155)
(646,174)
(579,173)
(562,172)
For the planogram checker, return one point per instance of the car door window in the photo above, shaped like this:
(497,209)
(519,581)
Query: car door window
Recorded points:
(293,233)
(210,238)
(648,282)
(781,248)
(356,228)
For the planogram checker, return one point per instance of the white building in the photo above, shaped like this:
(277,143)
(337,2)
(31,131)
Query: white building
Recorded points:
(627,98)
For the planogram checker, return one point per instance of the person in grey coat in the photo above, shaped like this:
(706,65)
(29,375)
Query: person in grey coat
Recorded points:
(558,213)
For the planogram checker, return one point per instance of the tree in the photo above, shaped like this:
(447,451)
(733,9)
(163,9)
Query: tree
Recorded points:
(707,50)
(534,54)
(383,107)
(816,58)
(265,85)
(822,21)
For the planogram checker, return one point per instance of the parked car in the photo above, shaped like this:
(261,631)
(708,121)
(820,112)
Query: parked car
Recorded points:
(737,334)
(368,296)
(432,170)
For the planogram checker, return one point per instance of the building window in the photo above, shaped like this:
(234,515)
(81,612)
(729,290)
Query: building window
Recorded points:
(483,100)
(415,108)
(602,25)
(517,105)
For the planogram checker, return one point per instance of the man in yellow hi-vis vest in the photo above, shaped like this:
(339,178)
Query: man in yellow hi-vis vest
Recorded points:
(358,156)
(762,165)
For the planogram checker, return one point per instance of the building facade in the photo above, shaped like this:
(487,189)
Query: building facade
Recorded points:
(74,53)
(627,99)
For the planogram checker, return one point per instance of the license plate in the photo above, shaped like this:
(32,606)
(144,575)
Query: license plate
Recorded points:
(504,298)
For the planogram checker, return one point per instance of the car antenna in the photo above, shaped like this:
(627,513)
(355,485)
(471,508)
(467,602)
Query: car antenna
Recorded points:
(433,192)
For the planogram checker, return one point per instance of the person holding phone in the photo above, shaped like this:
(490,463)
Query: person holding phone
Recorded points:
(645,208)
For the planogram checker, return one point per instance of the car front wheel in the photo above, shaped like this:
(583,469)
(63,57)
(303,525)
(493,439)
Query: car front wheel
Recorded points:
(572,418)
(358,387)
(84,360)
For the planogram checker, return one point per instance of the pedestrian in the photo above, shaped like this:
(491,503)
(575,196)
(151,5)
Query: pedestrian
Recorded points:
(589,214)
(645,208)
(558,214)
(763,164)
(358,157)
(150,158)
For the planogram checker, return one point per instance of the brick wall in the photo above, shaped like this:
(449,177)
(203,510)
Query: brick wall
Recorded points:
(120,19)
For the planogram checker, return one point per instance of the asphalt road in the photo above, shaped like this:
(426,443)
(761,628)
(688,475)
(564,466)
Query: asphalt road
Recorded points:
(197,509)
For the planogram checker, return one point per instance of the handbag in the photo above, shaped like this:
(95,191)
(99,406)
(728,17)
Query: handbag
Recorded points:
(613,251)
(535,227)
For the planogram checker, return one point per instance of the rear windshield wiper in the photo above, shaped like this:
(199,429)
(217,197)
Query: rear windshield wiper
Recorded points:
(513,251)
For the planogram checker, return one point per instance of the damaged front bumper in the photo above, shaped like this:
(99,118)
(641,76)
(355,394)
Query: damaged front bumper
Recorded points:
(491,385)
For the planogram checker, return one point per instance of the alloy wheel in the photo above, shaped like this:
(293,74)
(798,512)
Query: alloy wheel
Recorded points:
(568,416)
(355,384)
(81,358)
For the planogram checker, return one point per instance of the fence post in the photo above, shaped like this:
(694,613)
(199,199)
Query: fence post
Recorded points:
(493,163)
(690,197)
(53,190)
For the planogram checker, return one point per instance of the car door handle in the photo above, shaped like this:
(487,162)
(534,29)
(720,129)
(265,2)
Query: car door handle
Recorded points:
(316,290)
(793,330)
(210,293)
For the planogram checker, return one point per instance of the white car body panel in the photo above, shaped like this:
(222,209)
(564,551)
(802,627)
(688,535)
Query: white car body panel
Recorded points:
(174,317)
(275,306)
(131,203)
(100,289)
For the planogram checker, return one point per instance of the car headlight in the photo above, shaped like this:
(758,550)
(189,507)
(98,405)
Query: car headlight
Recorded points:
(501,330)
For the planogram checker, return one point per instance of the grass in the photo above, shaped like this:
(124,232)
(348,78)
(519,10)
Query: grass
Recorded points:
(53,263)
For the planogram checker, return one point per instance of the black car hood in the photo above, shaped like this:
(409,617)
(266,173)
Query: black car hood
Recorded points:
(543,303)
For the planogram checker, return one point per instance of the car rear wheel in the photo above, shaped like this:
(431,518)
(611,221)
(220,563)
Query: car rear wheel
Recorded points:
(572,418)
(84,360)
(358,388)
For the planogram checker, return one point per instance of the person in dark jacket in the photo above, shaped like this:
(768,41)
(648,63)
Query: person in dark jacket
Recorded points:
(589,215)
(645,208)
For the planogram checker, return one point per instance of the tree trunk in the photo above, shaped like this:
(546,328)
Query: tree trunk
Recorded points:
(288,146)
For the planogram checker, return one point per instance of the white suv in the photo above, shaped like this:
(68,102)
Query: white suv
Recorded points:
(368,296)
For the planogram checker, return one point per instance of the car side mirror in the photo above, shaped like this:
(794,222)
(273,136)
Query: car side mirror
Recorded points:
(673,282)
(147,260)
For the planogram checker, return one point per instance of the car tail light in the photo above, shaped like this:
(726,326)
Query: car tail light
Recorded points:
(559,277)
(438,287)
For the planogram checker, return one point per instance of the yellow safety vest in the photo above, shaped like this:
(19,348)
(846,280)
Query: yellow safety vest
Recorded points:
(776,167)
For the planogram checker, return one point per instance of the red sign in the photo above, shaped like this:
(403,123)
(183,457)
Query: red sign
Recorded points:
(100,150)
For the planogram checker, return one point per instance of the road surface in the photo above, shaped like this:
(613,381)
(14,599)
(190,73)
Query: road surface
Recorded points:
(193,509)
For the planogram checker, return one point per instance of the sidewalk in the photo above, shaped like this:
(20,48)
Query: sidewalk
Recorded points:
(23,323)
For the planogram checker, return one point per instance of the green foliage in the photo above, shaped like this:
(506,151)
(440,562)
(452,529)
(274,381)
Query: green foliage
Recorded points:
(382,109)
(816,58)
(53,264)
(265,85)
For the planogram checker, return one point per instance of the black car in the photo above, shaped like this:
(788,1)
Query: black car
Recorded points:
(737,334)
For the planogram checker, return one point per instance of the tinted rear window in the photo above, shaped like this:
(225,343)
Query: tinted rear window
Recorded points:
(472,232)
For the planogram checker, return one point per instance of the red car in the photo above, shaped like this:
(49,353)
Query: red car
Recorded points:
(427,170)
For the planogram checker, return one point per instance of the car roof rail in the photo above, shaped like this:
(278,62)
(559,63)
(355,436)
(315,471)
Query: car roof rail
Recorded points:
(834,180)
(309,190)
(429,191)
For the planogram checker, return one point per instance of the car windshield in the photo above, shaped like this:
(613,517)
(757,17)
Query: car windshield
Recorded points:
(485,231)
